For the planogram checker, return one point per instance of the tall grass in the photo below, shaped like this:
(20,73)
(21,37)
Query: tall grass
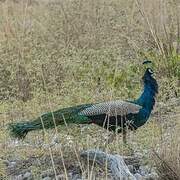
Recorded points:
(60,53)
(167,158)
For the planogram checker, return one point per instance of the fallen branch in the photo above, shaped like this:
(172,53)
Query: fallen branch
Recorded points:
(114,163)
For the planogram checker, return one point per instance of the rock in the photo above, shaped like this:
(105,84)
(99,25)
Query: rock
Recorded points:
(114,163)
(27,176)
(19,177)
(47,178)
(70,174)
(138,176)
(131,168)
(13,163)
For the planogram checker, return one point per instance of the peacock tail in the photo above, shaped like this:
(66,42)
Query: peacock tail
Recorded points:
(50,120)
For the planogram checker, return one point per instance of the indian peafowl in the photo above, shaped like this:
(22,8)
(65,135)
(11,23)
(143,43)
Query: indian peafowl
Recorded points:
(115,116)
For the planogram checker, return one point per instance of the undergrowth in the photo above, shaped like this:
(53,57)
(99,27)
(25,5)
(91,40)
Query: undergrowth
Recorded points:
(56,54)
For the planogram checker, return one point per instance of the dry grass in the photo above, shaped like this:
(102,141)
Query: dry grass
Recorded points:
(166,154)
(167,158)
(61,53)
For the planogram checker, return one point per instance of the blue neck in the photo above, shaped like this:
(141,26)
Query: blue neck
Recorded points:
(147,98)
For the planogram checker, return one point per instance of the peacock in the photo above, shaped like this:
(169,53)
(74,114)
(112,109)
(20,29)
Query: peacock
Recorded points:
(117,116)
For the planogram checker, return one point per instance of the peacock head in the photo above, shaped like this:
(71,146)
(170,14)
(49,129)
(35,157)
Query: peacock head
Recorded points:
(148,78)
(149,72)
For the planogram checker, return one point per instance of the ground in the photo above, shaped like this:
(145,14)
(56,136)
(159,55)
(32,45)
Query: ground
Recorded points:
(38,158)
(57,54)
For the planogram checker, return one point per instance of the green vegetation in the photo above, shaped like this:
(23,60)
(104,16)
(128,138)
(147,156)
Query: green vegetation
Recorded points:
(55,54)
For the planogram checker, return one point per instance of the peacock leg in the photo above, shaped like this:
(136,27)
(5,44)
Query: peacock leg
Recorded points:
(127,145)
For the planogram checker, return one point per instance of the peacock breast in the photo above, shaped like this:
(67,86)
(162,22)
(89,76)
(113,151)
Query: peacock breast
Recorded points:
(142,117)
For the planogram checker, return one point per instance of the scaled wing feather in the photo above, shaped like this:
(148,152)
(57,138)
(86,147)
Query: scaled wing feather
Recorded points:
(112,108)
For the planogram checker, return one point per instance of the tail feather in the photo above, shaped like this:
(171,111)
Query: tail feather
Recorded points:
(19,130)
(49,120)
